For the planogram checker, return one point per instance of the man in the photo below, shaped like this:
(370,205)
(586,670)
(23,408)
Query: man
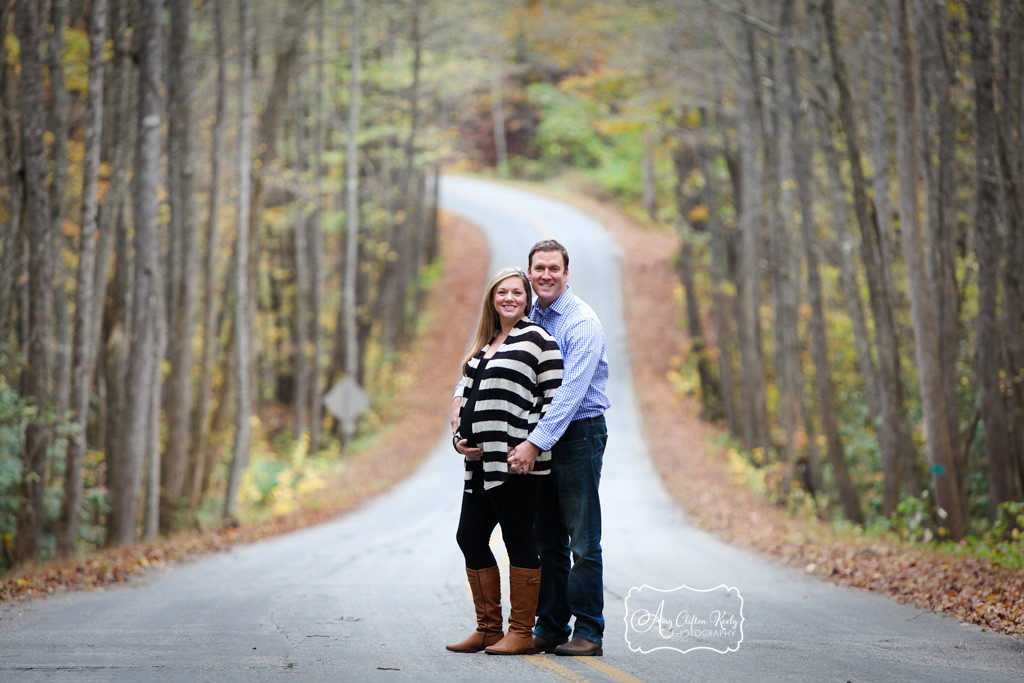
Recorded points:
(568,521)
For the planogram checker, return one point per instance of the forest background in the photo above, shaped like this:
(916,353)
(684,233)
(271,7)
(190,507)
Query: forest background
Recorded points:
(213,212)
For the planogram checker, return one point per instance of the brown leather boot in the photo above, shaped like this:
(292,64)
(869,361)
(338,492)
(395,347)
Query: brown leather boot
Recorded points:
(485,584)
(524,587)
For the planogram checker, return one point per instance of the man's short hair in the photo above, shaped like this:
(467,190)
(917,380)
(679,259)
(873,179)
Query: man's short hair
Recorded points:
(549,245)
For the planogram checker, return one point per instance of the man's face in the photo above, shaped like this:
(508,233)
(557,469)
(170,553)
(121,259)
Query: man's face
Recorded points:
(548,275)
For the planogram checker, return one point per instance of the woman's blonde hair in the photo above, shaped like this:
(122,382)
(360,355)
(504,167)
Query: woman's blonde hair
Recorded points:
(489,322)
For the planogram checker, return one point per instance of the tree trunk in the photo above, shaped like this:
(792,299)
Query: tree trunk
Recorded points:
(37,376)
(432,189)
(182,316)
(352,210)
(302,308)
(84,343)
(198,452)
(901,462)
(803,174)
(894,429)
(115,369)
(710,398)
(286,53)
(411,180)
(1004,476)
(881,139)
(1011,161)
(936,120)
(783,274)
(316,246)
(755,411)
(839,216)
(10,230)
(722,302)
(648,177)
(926,350)
(243,325)
(153,478)
(109,328)
(147,286)
(58,126)
(116,325)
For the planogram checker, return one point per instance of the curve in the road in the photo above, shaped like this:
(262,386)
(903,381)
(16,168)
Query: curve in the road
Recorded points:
(376,594)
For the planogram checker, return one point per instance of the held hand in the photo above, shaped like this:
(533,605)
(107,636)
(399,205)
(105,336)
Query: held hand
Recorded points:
(471,452)
(522,457)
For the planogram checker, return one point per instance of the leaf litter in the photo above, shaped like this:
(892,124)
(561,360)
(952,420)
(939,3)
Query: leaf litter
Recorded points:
(682,447)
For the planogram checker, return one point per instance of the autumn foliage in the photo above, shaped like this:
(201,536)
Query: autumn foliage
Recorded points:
(697,474)
(419,408)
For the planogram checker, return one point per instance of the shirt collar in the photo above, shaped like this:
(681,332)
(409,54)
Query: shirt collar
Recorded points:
(557,306)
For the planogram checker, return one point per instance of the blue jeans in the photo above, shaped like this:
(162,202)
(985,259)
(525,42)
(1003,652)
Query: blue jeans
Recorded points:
(568,525)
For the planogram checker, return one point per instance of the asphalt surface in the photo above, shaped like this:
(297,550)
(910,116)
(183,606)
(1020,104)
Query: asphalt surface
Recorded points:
(376,594)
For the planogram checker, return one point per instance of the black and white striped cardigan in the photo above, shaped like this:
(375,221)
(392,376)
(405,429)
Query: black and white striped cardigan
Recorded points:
(522,377)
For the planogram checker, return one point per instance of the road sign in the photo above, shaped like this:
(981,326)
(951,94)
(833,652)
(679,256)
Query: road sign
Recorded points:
(346,400)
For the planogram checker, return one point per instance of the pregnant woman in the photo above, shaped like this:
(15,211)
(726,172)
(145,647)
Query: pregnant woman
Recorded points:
(510,374)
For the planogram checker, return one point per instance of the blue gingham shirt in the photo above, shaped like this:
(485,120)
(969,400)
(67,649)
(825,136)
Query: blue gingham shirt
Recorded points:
(579,334)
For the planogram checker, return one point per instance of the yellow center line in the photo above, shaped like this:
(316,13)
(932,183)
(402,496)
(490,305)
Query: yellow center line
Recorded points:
(549,665)
(609,670)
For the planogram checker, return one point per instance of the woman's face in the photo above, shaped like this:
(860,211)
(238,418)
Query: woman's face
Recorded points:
(510,300)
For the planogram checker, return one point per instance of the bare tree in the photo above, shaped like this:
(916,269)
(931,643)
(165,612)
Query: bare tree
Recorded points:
(894,428)
(316,246)
(783,268)
(722,302)
(301,238)
(10,233)
(755,412)
(183,278)
(59,132)
(926,350)
(1010,101)
(84,343)
(37,376)
(1004,476)
(243,325)
(198,460)
(352,207)
(110,329)
(686,159)
(411,179)
(143,363)
(819,342)
(936,119)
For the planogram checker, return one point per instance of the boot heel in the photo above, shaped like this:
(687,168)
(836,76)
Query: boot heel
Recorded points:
(524,589)
(485,585)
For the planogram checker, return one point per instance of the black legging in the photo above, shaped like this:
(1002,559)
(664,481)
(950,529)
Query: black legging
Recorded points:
(512,505)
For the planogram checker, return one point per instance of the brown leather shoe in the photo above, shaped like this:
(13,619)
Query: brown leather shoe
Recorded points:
(544,645)
(577,647)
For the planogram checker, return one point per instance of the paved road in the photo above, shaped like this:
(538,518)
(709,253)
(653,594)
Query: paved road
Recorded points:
(376,594)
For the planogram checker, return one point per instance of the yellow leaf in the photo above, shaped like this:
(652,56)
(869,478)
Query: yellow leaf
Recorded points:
(698,214)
